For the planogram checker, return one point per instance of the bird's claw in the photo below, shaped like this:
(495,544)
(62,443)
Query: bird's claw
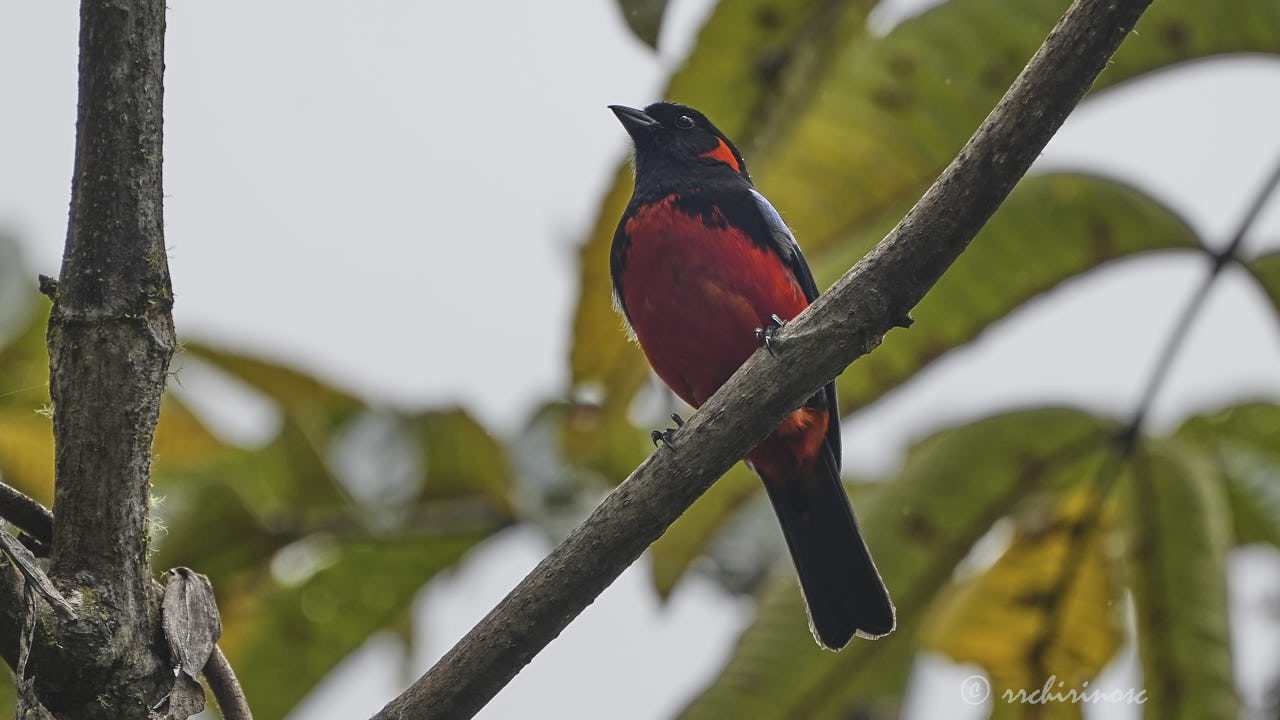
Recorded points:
(764,336)
(667,436)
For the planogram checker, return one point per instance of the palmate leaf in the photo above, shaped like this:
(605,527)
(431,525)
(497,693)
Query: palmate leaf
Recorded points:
(301,578)
(1052,228)
(919,526)
(1177,532)
(1243,442)
(1048,607)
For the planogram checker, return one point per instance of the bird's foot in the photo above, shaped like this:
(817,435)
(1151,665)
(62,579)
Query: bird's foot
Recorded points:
(764,336)
(667,436)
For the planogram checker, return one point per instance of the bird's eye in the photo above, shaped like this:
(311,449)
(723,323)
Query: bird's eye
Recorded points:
(684,122)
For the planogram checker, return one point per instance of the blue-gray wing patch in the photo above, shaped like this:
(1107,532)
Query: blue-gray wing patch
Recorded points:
(786,245)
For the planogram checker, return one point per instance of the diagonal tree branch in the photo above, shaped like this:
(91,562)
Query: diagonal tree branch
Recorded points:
(843,324)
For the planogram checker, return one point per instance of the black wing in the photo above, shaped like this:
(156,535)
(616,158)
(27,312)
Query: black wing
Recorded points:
(784,243)
(618,263)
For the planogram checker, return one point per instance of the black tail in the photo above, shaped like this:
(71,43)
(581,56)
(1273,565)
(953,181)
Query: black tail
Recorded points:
(842,589)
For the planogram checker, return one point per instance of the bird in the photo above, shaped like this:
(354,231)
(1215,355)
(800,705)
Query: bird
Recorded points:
(704,270)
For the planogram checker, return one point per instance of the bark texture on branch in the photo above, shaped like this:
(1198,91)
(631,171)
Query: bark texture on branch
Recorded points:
(26,513)
(110,339)
(843,324)
(110,652)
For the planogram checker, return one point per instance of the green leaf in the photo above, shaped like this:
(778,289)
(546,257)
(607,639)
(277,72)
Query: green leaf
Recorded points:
(1048,607)
(1051,229)
(644,17)
(24,364)
(689,536)
(26,427)
(363,586)
(318,406)
(8,694)
(26,452)
(1242,442)
(210,527)
(1178,531)
(1266,269)
(461,459)
(288,484)
(954,486)
(895,110)
(181,438)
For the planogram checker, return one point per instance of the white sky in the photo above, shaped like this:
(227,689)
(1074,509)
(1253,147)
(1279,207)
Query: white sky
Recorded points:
(390,195)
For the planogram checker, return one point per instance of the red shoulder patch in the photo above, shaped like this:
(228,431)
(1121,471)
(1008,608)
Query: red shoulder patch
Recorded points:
(724,155)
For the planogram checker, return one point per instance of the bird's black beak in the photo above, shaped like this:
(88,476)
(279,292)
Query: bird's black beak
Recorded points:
(632,119)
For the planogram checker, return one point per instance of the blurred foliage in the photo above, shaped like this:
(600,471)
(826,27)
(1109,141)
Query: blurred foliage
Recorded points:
(845,143)
(644,17)
(310,550)
(1012,542)
(1177,535)
(1053,579)
(843,146)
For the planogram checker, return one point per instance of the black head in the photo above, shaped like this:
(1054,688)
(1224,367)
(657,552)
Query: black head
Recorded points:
(676,139)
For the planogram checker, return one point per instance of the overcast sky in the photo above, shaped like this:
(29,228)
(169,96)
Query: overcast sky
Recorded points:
(390,195)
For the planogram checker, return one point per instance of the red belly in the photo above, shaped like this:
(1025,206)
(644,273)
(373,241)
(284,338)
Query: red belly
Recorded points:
(696,294)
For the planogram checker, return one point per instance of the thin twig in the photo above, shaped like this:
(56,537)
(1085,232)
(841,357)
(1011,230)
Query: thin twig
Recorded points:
(1220,260)
(845,323)
(1127,443)
(26,513)
(32,516)
(226,687)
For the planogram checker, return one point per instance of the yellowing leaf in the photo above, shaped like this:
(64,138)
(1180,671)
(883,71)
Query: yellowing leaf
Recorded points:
(24,364)
(1046,609)
(954,486)
(181,437)
(26,452)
